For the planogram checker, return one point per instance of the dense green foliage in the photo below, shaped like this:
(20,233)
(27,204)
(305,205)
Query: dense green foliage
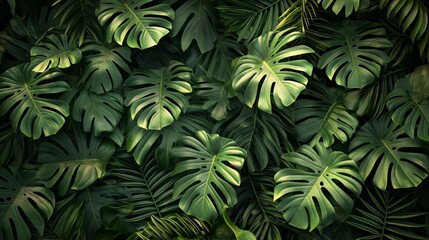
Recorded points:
(214,119)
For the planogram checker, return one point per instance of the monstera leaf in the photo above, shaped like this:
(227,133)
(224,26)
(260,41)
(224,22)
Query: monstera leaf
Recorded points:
(207,169)
(321,115)
(409,103)
(252,18)
(382,146)
(337,5)
(198,19)
(140,23)
(102,66)
(22,203)
(322,180)
(356,52)
(73,162)
(55,51)
(101,113)
(141,141)
(160,98)
(267,72)
(24,93)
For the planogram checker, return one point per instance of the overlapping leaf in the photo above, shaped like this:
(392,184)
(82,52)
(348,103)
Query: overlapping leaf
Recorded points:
(337,5)
(73,161)
(207,169)
(140,24)
(383,150)
(24,94)
(54,51)
(356,54)
(273,69)
(321,180)
(298,15)
(409,103)
(159,95)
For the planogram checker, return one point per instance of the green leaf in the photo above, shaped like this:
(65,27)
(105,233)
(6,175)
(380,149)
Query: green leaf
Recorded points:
(73,161)
(385,215)
(69,220)
(356,52)
(12,5)
(409,103)
(22,203)
(101,113)
(321,116)
(240,234)
(78,19)
(159,98)
(24,93)
(102,66)
(337,5)
(322,180)
(382,146)
(208,168)
(140,23)
(267,72)
(198,18)
(142,141)
(298,15)
(13,146)
(56,51)
(250,19)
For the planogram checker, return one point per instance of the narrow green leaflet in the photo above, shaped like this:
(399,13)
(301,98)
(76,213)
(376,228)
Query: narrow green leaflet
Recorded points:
(268,73)
(356,55)
(384,151)
(102,66)
(321,180)
(138,23)
(158,96)
(24,94)
(22,203)
(73,161)
(99,113)
(409,103)
(321,116)
(240,234)
(54,51)
(207,169)
(337,5)
(298,15)
(198,20)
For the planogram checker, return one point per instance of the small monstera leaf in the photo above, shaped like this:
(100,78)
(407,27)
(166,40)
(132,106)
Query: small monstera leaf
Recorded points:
(139,23)
(208,168)
(337,5)
(382,146)
(409,103)
(73,162)
(356,52)
(101,113)
(159,98)
(102,66)
(321,116)
(24,93)
(55,51)
(22,203)
(198,18)
(268,73)
(321,180)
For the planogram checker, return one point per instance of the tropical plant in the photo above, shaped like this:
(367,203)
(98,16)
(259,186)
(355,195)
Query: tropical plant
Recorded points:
(204,119)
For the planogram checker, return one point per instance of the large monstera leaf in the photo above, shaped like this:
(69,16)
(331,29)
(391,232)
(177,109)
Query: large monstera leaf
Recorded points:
(321,116)
(321,180)
(159,98)
(22,203)
(102,66)
(73,161)
(268,73)
(101,113)
(140,24)
(207,169)
(55,51)
(355,55)
(382,146)
(409,103)
(198,18)
(24,94)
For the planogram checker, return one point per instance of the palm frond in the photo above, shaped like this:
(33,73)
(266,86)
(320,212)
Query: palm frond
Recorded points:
(298,15)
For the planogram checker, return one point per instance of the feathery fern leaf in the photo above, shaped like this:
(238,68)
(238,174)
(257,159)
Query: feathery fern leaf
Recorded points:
(298,15)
